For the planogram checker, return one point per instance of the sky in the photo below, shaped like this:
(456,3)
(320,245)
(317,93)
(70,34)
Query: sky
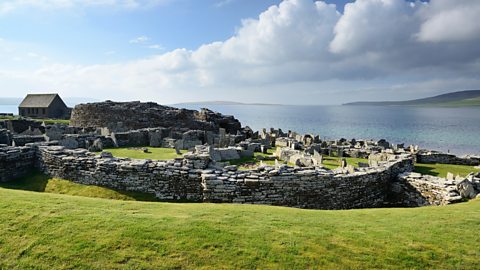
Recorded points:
(268,51)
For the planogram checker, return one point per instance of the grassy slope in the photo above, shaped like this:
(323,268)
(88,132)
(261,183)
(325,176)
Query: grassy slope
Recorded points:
(156,153)
(459,103)
(48,231)
(41,183)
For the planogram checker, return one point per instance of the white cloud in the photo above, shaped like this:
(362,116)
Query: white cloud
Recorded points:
(156,47)
(222,3)
(451,21)
(139,40)
(293,52)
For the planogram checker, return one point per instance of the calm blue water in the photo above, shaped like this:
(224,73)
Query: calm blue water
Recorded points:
(444,129)
(9,109)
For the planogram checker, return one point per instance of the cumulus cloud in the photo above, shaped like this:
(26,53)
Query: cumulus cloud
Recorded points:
(300,42)
(450,21)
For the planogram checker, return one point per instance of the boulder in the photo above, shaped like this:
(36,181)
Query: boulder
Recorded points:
(466,189)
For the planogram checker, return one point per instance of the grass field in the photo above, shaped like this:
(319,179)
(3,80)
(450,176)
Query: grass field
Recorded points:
(459,103)
(155,153)
(47,121)
(441,170)
(50,231)
(334,162)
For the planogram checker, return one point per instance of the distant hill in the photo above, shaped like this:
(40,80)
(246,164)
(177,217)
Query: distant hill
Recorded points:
(220,102)
(455,99)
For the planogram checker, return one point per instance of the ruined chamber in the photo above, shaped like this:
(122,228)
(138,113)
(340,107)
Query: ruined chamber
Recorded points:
(121,116)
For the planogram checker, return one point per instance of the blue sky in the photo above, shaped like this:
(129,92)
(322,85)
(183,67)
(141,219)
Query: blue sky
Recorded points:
(183,50)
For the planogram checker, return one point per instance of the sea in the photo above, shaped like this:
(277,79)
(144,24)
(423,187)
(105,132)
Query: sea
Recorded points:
(454,130)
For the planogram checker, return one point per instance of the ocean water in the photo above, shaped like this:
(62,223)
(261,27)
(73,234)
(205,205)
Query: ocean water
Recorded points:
(454,130)
(9,109)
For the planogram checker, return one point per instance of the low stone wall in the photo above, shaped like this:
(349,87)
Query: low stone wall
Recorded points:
(442,158)
(192,179)
(420,190)
(5,137)
(21,140)
(304,188)
(15,162)
(169,180)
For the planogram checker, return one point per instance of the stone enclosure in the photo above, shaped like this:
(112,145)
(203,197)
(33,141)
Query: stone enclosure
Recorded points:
(202,175)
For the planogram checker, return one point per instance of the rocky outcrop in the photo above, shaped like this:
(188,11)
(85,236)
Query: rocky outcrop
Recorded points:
(124,116)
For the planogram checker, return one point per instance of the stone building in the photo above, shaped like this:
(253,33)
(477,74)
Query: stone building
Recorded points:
(44,106)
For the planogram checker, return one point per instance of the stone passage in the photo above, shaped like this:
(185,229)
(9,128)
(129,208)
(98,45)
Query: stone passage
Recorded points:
(123,116)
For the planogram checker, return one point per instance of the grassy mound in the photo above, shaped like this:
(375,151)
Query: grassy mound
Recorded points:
(50,231)
(41,183)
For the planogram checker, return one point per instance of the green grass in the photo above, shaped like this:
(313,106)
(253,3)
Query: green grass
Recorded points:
(459,103)
(53,121)
(47,121)
(334,162)
(441,170)
(50,231)
(155,153)
(41,183)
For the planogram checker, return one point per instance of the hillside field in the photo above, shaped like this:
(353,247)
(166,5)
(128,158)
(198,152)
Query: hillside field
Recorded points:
(51,231)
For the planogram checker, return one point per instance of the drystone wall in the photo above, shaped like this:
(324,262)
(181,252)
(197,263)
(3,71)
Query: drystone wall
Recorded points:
(436,157)
(123,116)
(189,179)
(15,162)
(194,178)
(178,179)
(419,190)
(304,188)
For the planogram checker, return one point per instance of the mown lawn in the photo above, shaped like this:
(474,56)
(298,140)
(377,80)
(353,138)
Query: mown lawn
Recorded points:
(50,231)
(154,153)
(441,170)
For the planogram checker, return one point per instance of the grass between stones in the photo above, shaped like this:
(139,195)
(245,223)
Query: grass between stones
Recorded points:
(154,153)
(441,170)
(50,231)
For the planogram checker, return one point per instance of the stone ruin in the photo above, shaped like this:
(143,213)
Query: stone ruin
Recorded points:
(203,175)
(125,116)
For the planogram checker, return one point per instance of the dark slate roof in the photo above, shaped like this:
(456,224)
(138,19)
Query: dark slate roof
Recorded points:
(37,100)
